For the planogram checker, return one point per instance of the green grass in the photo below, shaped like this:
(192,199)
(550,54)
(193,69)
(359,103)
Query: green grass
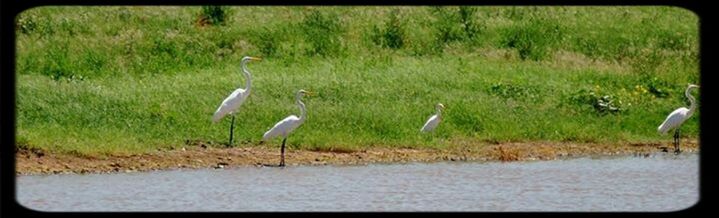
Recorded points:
(134,79)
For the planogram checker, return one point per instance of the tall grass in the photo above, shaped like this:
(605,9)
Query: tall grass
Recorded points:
(135,79)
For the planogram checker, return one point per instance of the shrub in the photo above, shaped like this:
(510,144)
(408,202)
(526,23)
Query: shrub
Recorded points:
(323,32)
(531,39)
(392,36)
(213,15)
(471,28)
(446,25)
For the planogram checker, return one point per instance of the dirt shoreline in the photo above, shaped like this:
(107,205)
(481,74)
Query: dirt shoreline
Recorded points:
(34,161)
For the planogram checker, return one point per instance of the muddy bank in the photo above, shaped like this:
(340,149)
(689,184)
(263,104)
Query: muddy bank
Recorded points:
(35,161)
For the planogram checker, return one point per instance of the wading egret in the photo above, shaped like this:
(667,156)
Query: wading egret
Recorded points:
(236,98)
(677,117)
(434,119)
(287,125)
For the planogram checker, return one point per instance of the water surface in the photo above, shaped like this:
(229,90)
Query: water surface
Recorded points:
(662,182)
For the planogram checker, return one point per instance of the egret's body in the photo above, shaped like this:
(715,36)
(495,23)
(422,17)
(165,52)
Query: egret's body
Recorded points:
(287,125)
(236,98)
(677,117)
(434,120)
(231,104)
(283,128)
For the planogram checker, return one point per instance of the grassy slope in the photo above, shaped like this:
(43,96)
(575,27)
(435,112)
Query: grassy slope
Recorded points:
(131,79)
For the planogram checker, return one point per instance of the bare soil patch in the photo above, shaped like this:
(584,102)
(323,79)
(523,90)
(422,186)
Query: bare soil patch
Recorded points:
(36,161)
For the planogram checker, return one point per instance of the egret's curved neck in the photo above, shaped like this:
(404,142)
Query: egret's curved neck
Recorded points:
(693,105)
(303,114)
(248,77)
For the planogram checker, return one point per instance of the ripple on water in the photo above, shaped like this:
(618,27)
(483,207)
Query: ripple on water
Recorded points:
(656,183)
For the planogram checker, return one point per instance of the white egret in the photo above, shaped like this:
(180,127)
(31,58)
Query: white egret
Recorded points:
(236,98)
(677,117)
(287,125)
(434,120)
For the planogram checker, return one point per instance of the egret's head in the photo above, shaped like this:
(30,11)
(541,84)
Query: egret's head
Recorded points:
(440,106)
(692,86)
(248,58)
(302,92)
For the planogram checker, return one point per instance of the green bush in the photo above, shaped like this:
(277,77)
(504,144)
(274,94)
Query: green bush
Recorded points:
(323,31)
(392,35)
(532,39)
(214,15)
(471,28)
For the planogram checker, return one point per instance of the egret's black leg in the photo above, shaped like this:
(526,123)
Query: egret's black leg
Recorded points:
(676,141)
(232,128)
(282,153)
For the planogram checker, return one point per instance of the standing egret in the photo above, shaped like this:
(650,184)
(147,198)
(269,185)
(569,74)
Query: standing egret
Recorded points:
(434,119)
(287,125)
(677,117)
(233,102)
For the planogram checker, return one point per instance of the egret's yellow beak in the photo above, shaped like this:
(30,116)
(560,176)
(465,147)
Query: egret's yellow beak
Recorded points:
(255,59)
(308,93)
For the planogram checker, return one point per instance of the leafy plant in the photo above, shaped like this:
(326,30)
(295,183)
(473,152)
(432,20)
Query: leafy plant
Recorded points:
(602,104)
(657,87)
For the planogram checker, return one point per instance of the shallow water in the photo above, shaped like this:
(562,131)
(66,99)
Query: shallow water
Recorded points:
(662,182)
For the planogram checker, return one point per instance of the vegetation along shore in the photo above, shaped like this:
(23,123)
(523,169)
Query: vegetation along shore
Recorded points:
(105,89)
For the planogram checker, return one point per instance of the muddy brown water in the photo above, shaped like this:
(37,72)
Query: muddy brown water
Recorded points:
(660,182)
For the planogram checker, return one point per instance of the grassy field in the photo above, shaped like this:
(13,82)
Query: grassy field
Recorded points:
(109,80)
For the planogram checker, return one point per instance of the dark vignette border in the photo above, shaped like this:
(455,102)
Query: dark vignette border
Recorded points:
(9,207)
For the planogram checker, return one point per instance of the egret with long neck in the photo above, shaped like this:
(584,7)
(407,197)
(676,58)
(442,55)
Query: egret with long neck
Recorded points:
(287,125)
(677,117)
(236,98)
(434,120)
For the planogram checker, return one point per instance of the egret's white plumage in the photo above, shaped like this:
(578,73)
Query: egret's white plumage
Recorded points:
(434,120)
(283,128)
(287,125)
(230,104)
(237,97)
(677,117)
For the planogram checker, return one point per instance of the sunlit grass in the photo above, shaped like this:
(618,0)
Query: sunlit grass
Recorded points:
(97,80)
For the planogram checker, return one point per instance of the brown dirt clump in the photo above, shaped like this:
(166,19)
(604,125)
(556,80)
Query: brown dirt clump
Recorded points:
(37,161)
